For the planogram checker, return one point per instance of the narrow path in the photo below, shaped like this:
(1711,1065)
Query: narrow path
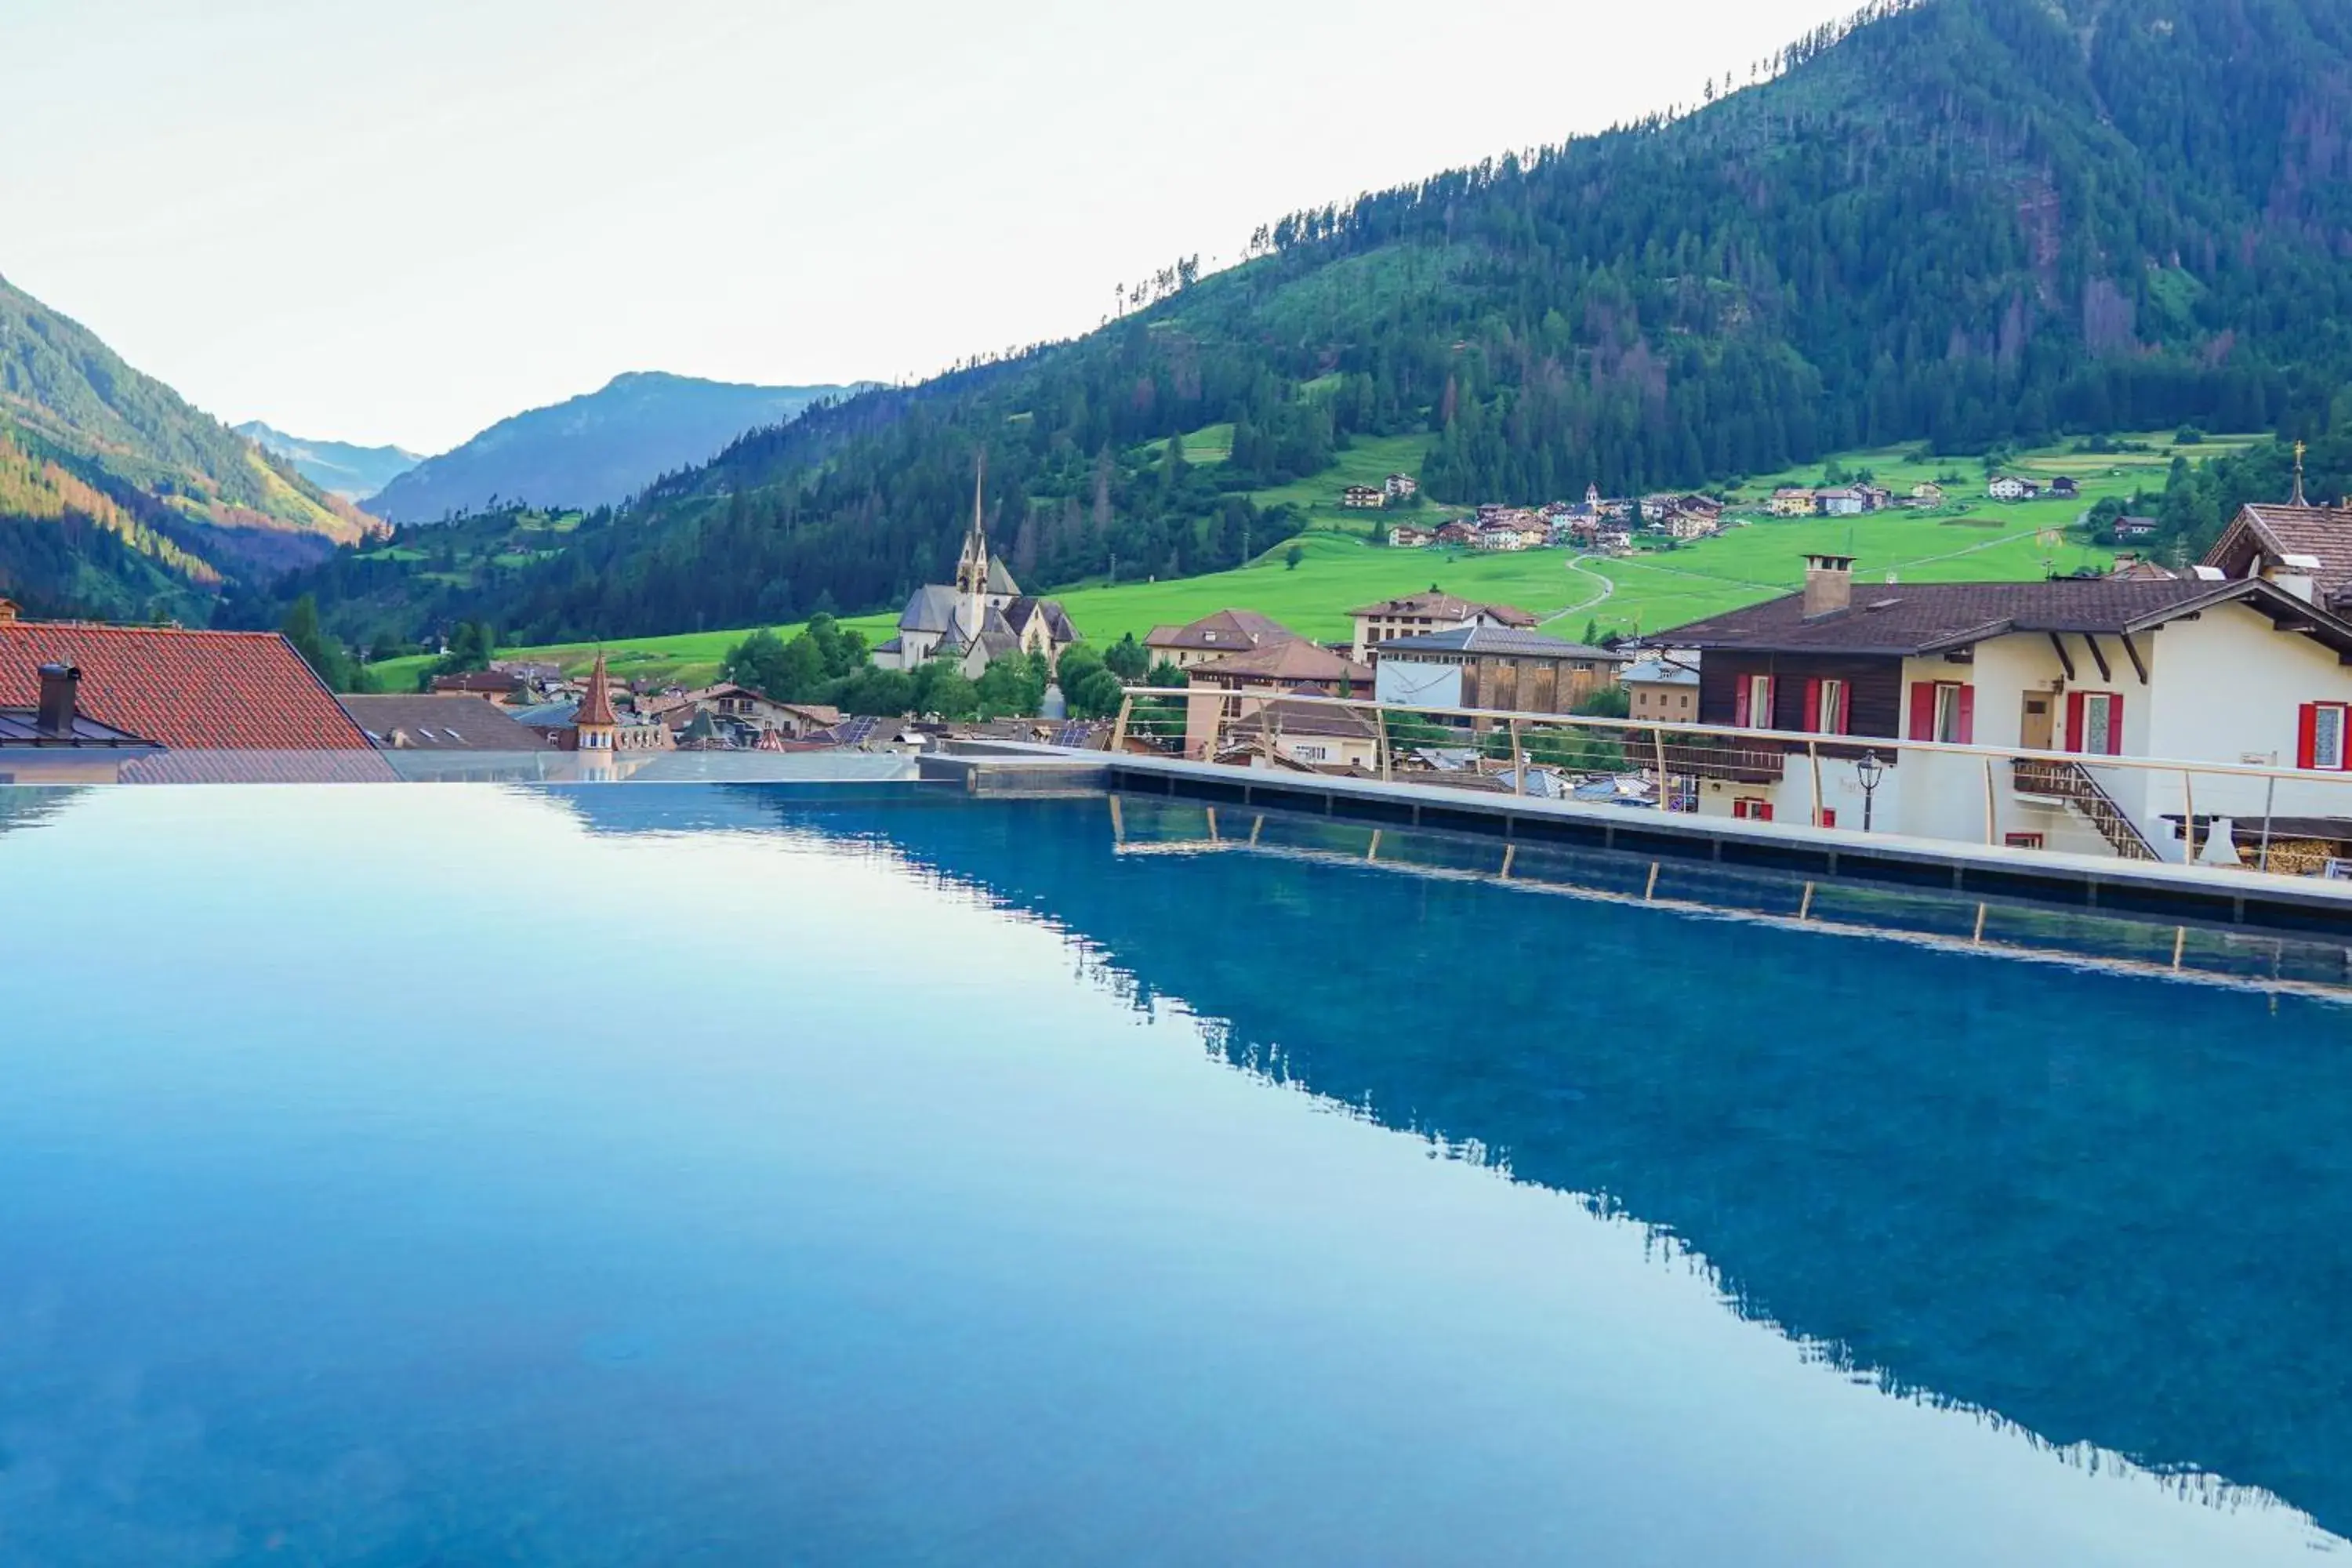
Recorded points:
(1578,565)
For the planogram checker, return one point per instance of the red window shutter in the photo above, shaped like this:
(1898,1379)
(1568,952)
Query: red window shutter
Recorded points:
(1923,709)
(2306,742)
(1763,811)
(2074,720)
(1812,713)
(1845,709)
(2116,725)
(1967,696)
(1828,817)
(1740,691)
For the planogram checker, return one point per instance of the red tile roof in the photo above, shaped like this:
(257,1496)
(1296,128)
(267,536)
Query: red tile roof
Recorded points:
(190,692)
(596,707)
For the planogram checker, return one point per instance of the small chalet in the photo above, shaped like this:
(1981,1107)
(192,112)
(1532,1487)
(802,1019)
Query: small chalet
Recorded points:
(1927,493)
(1458,533)
(1215,637)
(2201,669)
(1793,502)
(1313,736)
(1364,498)
(1404,536)
(2065,486)
(2009,487)
(1401,487)
(1840,501)
(1435,611)
(1661,689)
(1232,688)
(2135,527)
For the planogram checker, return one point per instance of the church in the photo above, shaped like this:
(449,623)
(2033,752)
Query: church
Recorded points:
(980,618)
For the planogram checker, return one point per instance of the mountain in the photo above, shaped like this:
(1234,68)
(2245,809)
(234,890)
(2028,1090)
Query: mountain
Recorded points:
(1951,223)
(119,499)
(338,467)
(594,450)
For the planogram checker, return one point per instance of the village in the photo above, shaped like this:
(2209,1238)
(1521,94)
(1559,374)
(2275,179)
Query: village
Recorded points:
(1825,708)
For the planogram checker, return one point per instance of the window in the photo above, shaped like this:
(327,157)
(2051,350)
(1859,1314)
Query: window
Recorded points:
(2320,742)
(1942,711)
(1828,814)
(2094,723)
(2022,840)
(1828,706)
(1752,808)
(1310,753)
(1752,706)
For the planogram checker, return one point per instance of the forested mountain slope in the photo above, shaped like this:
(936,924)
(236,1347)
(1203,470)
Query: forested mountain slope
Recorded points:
(118,498)
(1961,223)
(594,450)
(339,468)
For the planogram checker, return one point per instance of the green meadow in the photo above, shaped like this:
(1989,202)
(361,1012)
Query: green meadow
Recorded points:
(1341,565)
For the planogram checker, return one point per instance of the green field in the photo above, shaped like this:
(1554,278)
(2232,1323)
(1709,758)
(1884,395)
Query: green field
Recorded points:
(1969,538)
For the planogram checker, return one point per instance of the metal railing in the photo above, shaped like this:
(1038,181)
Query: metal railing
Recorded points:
(2287,820)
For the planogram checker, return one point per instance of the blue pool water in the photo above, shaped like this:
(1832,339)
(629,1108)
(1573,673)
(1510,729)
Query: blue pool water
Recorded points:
(732,1176)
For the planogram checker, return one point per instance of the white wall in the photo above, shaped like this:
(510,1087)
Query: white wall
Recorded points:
(1411,683)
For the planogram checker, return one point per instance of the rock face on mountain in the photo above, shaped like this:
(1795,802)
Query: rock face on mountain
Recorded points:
(594,450)
(119,499)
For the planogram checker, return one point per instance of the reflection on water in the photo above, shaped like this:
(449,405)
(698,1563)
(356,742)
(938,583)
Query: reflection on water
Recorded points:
(2110,1210)
(401,1177)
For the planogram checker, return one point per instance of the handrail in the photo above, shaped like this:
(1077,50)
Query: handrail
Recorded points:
(1792,738)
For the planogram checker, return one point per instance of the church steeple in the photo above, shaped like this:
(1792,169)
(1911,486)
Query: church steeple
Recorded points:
(971,566)
(2298,499)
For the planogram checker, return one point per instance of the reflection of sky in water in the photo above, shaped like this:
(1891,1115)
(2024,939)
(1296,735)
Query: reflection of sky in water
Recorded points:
(386,1173)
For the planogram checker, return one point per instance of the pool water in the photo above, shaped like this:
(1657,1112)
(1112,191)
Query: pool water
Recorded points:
(732,1175)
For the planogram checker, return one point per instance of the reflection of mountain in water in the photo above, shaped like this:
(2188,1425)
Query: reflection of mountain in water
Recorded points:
(2112,1210)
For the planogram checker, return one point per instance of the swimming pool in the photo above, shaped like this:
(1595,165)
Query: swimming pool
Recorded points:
(743,1175)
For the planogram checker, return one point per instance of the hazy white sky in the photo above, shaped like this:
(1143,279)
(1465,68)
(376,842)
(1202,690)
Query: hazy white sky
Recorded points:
(404,219)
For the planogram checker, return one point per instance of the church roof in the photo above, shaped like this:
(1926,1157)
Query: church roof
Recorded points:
(1000,580)
(930,608)
(596,707)
(1057,620)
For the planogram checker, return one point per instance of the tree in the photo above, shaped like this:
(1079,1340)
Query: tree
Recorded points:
(952,694)
(757,662)
(1126,658)
(1293,556)
(324,657)
(1010,687)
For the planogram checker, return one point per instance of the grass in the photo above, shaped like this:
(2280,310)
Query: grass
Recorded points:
(1967,539)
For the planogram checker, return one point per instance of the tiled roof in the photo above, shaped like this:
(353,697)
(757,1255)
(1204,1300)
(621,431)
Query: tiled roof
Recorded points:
(1658,672)
(2262,535)
(1924,617)
(1438,604)
(1222,630)
(1289,718)
(441,724)
(1289,661)
(596,703)
(1499,641)
(188,690)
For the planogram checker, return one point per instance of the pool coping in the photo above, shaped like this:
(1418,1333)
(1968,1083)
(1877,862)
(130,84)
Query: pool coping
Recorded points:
(2201,895)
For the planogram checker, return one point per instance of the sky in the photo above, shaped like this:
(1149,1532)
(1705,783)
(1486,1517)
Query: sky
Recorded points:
(400,221)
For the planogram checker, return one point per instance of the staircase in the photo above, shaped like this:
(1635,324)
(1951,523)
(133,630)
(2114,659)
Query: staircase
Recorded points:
(2072,783)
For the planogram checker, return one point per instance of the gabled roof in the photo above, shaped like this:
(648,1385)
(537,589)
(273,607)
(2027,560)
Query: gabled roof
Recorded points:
(1290,663)
(1057,620)
(930,608)
(1496,641)
(2261,536)
(187,690)
(1288,717)
(1658,672)
(21,727)
(596,703)
(1438,604)
(1899,621)
(441,724)
(1224,630)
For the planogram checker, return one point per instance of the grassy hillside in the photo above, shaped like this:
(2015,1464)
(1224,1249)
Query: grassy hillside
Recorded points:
(1967,539)
(117,498)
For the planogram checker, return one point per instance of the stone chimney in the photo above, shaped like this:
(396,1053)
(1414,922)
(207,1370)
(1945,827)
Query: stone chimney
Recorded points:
(7,613)
(59,684)
(1829,586)
(2293,574)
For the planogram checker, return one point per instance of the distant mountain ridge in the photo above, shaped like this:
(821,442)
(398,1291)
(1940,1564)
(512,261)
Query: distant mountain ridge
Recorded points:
(339,468)
(117,498)
(594,450)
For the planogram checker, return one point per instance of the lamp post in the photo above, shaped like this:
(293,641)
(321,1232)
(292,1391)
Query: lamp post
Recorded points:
(1869,773)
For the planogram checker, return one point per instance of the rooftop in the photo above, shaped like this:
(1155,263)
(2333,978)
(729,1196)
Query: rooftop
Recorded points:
(1222,630)
(1498,641)
(428,723)
(1438,604)
(1932,617)
(188,690)
(1289,662)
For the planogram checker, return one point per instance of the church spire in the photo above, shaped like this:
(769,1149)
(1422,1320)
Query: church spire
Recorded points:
(2298,499)
(971,566)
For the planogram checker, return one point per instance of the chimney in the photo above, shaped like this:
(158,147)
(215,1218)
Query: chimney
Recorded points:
(2294,573)
(58,682)
(7,613)
(1829,586)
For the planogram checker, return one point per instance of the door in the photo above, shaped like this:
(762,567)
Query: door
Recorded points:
(2037,729)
